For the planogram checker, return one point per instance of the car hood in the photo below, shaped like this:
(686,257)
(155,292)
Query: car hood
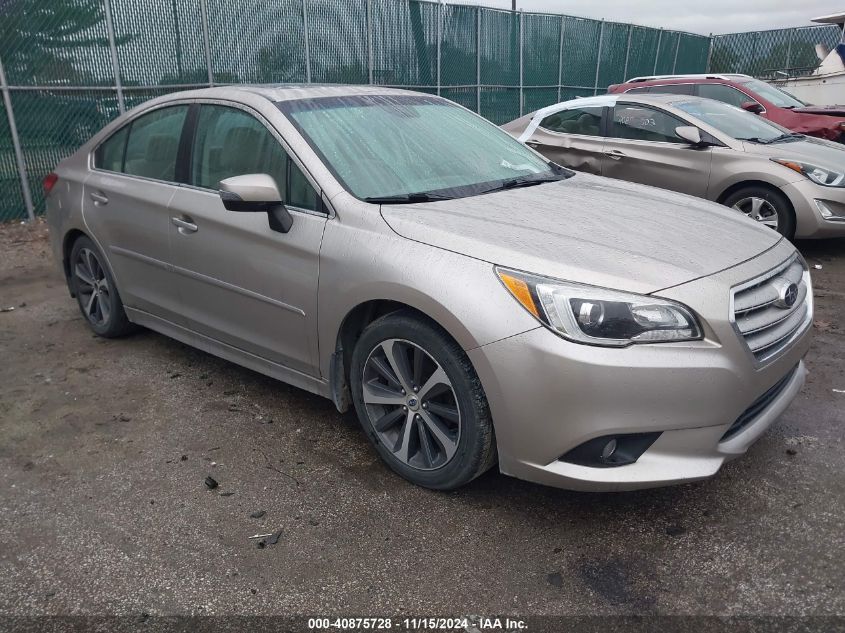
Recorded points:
(812,150)
(828,110)
(589,229)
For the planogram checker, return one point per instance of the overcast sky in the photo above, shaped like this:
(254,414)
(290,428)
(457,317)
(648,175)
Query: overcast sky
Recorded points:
(696,16)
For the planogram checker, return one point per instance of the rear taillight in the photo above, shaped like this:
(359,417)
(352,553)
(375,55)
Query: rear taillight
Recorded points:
(50,181)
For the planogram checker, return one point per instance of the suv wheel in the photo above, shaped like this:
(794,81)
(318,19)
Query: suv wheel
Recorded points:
(421,403)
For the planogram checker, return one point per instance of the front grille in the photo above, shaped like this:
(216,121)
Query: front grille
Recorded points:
(762,314)
(759,405)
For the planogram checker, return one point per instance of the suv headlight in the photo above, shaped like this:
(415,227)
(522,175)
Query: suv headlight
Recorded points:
(819,175)
(598,316)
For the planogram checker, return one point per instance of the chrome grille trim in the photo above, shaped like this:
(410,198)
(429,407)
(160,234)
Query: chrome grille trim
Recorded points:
(766,328)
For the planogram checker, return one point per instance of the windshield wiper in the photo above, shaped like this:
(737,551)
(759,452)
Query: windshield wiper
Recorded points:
(755,139)
(513,183)
(786,137)
(408,198)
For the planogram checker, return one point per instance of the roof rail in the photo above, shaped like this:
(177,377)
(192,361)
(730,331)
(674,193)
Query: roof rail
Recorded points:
(693,76)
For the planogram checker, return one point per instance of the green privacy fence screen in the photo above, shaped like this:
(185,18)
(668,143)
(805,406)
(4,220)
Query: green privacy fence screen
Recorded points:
(779,52)
(67,67)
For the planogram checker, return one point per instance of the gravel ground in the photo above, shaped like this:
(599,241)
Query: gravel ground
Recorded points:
(105,445)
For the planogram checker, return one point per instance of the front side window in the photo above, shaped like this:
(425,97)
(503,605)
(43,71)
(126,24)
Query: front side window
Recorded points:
(642,123)
(230,142)
(388,146)
(585,121)
(732,121)
(725,94)
(154,143)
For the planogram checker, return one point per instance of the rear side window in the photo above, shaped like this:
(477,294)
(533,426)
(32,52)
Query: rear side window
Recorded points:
(725,94)
(154,143)
(230,142)
(585,121)
(109,154)
(638,91)
(672,89)
(642,123)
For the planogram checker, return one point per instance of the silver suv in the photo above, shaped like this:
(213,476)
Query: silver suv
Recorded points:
(473,301)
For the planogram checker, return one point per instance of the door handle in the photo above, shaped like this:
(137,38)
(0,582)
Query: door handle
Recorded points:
(99,198)
(615,154)
(184,226)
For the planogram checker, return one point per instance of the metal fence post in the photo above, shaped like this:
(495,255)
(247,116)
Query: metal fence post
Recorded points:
(305,37)
(560,57)
(598,59)
(121,104)
(478,59)
(521,67)
(204,8)
(677,47)
(710,53)
(657,52)
(789,51)
(439,40)
(370,40)
(16,144)
(627,53)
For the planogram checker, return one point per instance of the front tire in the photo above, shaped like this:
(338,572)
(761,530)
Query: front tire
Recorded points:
(767,206)
(96,292)
(421,403)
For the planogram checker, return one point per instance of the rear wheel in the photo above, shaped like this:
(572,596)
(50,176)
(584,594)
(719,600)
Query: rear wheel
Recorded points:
(421,403)
(96,292)
(767,206)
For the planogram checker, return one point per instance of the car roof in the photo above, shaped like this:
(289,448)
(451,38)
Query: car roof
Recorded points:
(699,77)
(611,99)
(289,92)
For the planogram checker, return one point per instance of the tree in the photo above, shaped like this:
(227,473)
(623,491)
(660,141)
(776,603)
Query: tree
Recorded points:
(45,43)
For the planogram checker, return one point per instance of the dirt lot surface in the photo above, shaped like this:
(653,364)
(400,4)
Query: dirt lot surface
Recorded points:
(105,445)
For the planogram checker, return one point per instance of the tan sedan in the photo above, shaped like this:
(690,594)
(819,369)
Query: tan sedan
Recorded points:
(793,183)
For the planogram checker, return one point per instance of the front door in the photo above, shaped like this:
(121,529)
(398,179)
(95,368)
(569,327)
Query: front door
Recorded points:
(241,282)
(642,146)
(125,205)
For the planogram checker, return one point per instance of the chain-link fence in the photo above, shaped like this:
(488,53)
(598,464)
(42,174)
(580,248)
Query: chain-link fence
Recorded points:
(73,65)
(775,53)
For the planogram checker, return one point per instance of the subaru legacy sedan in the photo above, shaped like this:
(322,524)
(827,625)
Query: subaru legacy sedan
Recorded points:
(792,183)
(475,303)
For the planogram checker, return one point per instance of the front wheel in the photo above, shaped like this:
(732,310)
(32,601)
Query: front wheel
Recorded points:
(420,402)
(767,206)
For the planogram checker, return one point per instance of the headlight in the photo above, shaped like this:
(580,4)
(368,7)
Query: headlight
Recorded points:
(598,316)
(819,175)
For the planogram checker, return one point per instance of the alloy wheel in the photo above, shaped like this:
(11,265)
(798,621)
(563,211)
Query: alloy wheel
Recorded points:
(411,404)
(759,209)
(92,287)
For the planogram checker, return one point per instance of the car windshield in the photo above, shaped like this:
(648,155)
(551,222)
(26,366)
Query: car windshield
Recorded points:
(775,95)
(732,121)
(409,148)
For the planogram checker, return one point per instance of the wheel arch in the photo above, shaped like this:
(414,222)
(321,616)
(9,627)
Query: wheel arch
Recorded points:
(733,188)
(351,327)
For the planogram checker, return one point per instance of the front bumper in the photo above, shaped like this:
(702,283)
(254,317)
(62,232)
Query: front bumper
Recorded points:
(809,221)
(548,395)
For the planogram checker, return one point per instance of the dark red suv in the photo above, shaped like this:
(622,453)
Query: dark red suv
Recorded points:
(750,94)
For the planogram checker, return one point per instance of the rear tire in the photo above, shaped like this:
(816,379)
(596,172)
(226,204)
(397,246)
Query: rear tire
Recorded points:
(765,205)
(438,436)
(96,292)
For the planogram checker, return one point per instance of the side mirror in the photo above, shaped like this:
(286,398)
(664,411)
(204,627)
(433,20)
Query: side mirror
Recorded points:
(752,106)
(256,193)
(689,133)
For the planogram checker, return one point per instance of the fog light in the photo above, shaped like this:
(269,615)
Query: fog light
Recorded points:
(611,450)
(608,450)
(826,212)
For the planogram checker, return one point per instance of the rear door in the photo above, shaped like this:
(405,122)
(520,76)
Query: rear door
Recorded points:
(642,146)
(572,138)
(125,205)
(241,282)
